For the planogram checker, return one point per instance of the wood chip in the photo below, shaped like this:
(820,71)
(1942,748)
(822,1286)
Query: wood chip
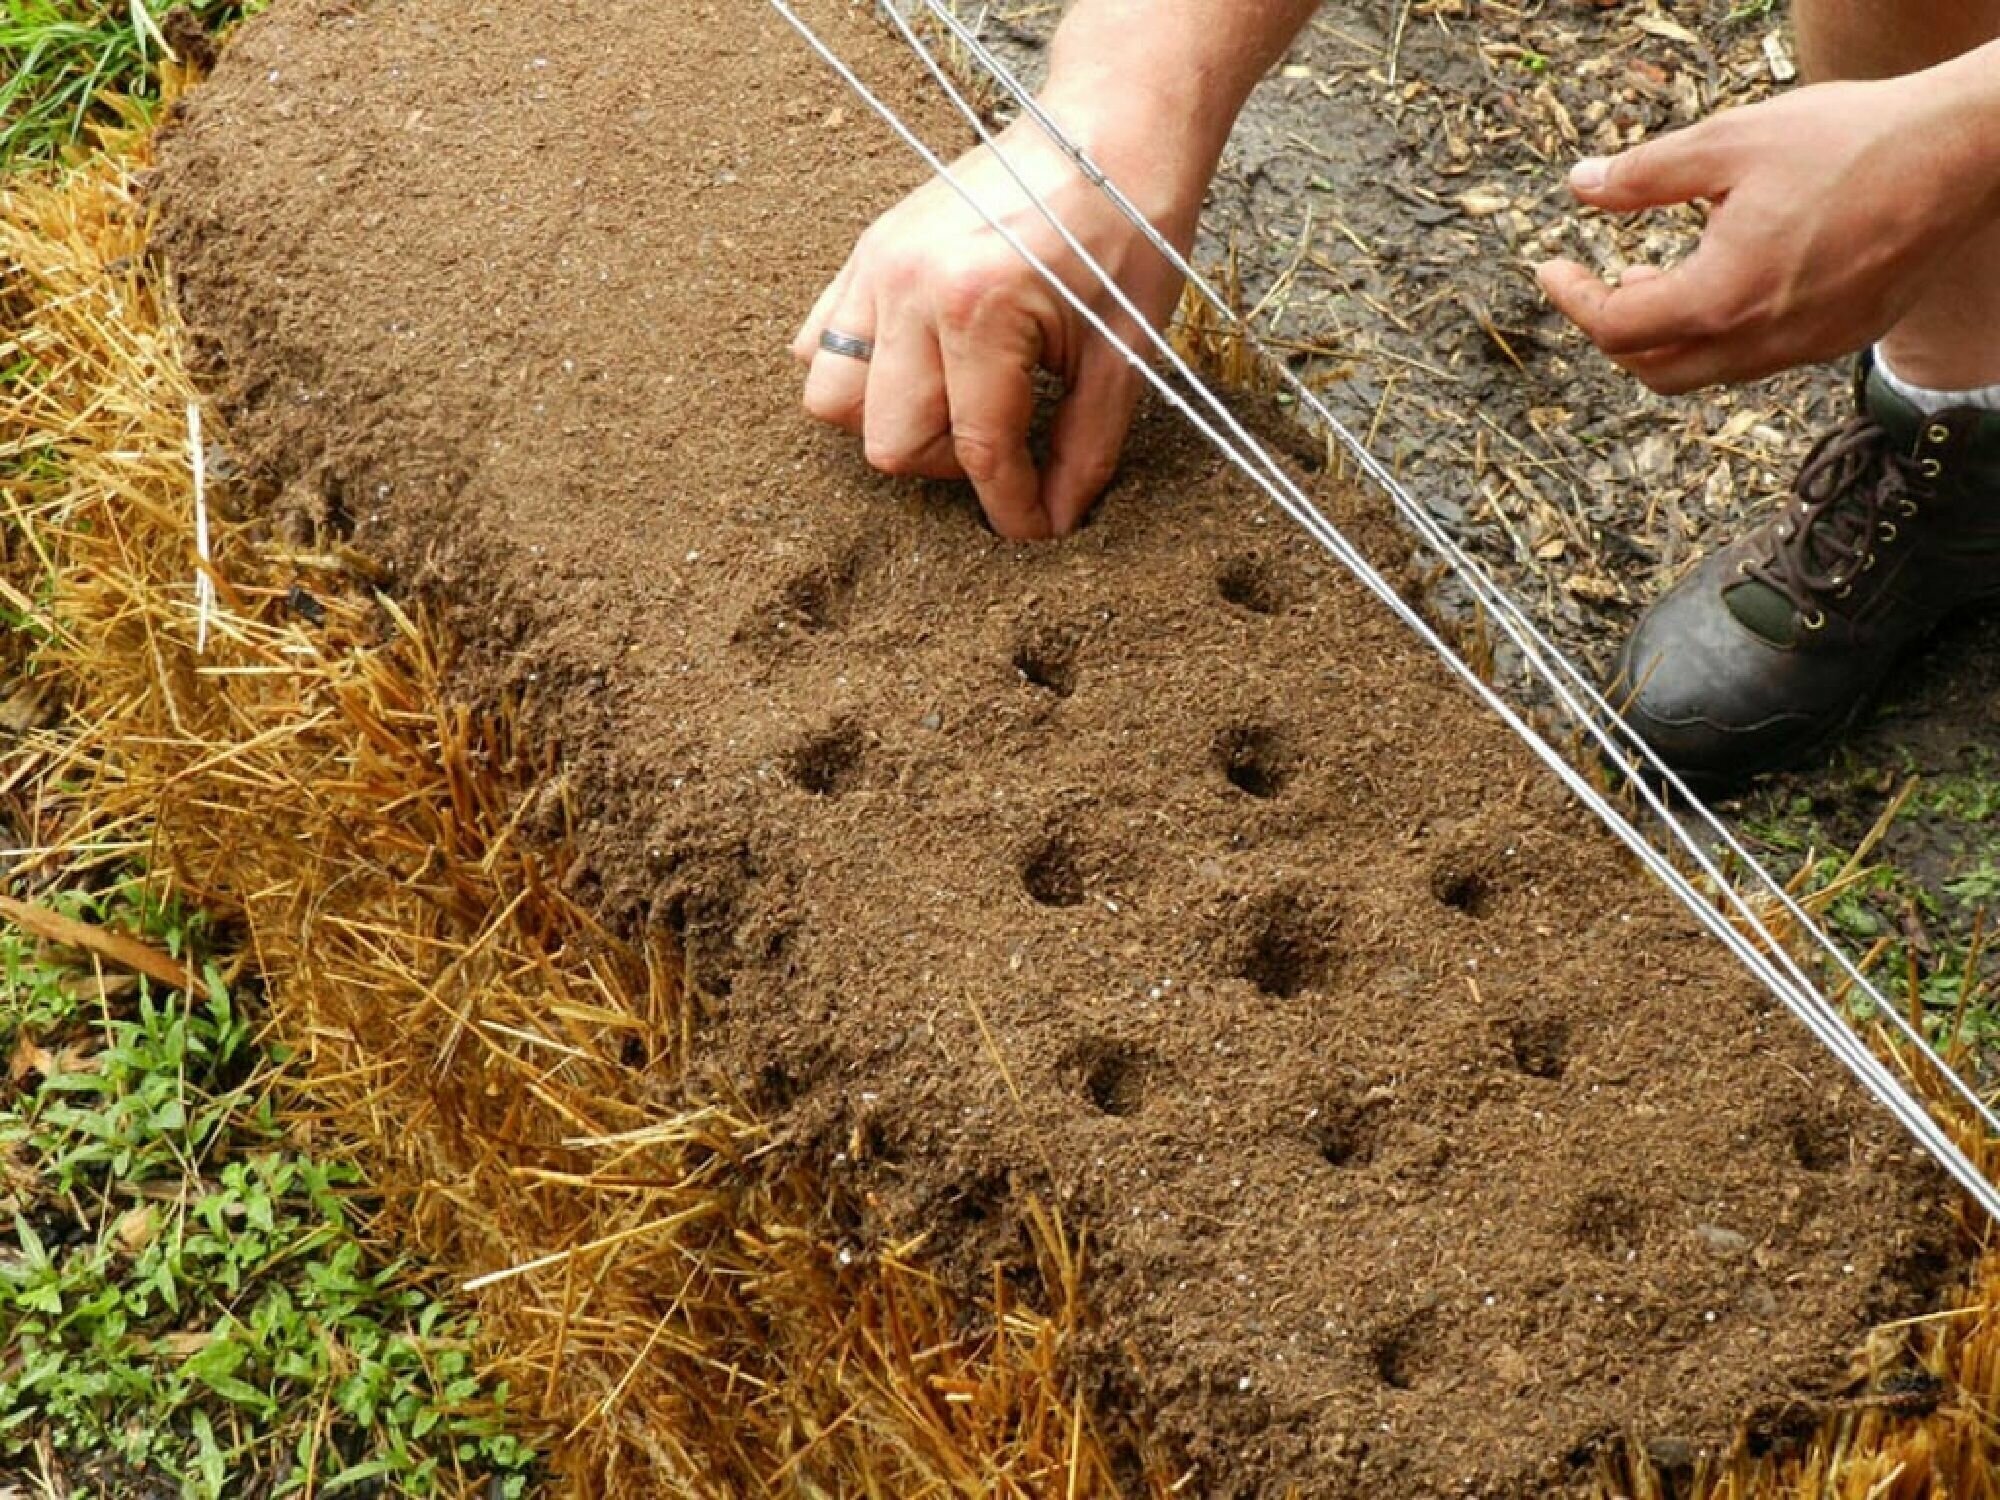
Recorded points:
(113,947)
(1779,57)
(1483,203)
(26,709)
(1664,26)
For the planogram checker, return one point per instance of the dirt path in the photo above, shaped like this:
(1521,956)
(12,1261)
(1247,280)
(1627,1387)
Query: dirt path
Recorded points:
(1420,1148)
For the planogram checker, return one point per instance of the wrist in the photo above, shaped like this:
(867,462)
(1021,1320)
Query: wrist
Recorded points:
(1152,107)
(1965,94)
(1146,142)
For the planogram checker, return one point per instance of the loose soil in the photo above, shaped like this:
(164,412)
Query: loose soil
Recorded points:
(1420,1147)
(1393,259)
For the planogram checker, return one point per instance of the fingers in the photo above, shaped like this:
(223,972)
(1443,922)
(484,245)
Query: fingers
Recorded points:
(1675,168)
(1706,321)
(1693,354)
(1683,368)
(836,384)
(948,394)
(1090,429)
(1639,324)
(990,396)
(1649,310)
(907,421)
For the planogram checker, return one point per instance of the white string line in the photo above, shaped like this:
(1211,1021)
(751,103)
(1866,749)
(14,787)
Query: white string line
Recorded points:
(1542,655)
(1862,1063)
(1823,1024)
(204,578)
(1808,993)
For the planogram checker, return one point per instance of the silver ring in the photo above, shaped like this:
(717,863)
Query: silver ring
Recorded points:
(847,346)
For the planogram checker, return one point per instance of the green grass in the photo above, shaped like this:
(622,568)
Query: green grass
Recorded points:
(1931,892)
(62,61)
(187,1303)
(190,1302)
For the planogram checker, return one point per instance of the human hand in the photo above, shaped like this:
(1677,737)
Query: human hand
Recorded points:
(1831,208)
(960,325)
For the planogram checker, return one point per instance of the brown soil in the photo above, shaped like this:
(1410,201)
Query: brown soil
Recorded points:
(1420,1147)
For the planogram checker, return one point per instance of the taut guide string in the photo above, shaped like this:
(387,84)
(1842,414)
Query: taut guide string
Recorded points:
(1563,677)
(1595,713)
(1767,958)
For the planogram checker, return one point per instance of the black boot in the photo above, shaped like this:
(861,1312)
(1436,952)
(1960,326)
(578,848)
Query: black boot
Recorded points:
(1768,649)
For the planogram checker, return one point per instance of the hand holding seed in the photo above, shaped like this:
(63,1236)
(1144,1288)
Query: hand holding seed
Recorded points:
(1829,207)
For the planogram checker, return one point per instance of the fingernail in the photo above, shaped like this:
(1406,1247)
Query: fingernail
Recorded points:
(1590,174)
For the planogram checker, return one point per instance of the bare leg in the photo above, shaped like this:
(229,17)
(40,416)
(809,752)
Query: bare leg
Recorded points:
(1951,339)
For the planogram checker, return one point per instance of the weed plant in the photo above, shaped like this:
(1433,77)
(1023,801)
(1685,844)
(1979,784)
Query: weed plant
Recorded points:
(68,64)
(185,1296)
(1921,907)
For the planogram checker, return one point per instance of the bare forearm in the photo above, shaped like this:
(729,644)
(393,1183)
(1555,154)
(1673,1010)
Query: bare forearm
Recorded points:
(958,322)
(1969,89)
(1156,85)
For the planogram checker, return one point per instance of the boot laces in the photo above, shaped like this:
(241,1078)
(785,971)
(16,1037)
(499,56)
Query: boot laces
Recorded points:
(1853,491)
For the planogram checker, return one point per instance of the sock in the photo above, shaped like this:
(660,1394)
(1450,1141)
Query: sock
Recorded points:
(1931,402)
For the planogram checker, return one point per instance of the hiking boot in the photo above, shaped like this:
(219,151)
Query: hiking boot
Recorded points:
(1768,649)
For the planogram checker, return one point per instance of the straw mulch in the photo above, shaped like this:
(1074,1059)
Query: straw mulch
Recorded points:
(658,1278)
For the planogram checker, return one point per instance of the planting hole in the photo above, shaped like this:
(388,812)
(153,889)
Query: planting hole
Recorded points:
(1818,1146)
(1048,661)
(711,967)
(1345,1133)
(870,1141)
(980,1199)
(817,599)
(1255,760)
(1051,875)
(810,600)
(827,764)
(1540,1045)
(1286,951)
(339,519)
(1407,1354)
(1114,1078)
(1608,1223)
(1248,583)
(1462,889)
(777,1087)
